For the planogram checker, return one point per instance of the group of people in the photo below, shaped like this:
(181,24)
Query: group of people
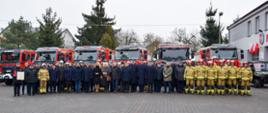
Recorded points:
(225,78)
(130,77)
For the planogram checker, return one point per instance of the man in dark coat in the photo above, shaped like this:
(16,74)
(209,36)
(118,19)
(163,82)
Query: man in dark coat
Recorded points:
(133,77)
(53,71)
(115,78)
(141,74)
(173,81)
(97,77)
(17,85)
(158,78)
(88,78)
(150,76)
(77,77)
(125,77)
(179,76)
(31,80)
(60,78)
(67,77)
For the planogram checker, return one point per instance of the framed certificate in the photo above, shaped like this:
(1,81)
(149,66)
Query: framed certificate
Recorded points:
(20,75)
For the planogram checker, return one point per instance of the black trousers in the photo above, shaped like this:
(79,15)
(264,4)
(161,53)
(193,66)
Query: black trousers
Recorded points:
(141,87)
(125,86)
(31,89)
(157,85)
(180,86)
(23,87)
(134,87)
(52,86)
(60,86)
(108,85)
(87,86)
(17,89)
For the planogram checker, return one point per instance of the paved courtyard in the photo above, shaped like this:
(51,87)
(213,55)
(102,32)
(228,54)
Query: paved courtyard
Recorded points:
(132,103)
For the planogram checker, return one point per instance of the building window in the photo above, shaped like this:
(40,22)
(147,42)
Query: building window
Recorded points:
(266,21)
(249,28)
(255,57)
(257,24)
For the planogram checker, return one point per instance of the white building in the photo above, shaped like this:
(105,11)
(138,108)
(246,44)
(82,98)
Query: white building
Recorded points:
(68,39)
(250,34)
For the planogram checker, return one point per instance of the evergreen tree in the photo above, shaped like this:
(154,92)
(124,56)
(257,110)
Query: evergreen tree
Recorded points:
(97,23)
(210,32)
(106,40)
(49,30)
(19,34)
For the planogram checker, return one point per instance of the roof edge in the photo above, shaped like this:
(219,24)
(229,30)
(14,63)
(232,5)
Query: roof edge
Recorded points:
(243,17)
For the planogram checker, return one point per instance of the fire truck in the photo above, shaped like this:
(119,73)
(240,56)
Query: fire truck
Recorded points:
(217,52)
(12,60)
(173,53)
(92,54)
(53,55)
(129,53)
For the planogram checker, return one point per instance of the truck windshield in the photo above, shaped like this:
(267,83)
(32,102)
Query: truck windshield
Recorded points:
(127,54)
(224,53)
(174,54)
(46,56)
(7,57)
(85,55)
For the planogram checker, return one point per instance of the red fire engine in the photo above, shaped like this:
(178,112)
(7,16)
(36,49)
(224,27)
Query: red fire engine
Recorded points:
(173,53)
(129,53)
(54,55)
(12,60)
(217,52)
(92,54)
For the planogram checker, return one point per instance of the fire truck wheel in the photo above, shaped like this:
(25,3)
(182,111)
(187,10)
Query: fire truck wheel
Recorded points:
(8,82)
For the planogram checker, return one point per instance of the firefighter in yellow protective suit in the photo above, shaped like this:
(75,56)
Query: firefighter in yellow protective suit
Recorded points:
(222,76)
(246,76)
(43,76)
(189,77)
(200,76)
(212,74)
(232,78)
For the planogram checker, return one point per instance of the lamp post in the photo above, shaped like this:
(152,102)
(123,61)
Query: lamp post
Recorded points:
(220,14)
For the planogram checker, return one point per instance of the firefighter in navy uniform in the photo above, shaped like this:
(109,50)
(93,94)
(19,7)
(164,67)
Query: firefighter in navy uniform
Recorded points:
(246,77)
(189,77)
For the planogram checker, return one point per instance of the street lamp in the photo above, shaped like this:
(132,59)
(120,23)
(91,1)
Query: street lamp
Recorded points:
(220,14)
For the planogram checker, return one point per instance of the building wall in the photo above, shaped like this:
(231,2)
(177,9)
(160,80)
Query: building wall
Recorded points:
(241,37)
(68,40)
(241,30)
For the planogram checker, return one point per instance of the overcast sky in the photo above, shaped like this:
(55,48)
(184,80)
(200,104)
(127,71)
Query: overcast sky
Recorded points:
(143,16)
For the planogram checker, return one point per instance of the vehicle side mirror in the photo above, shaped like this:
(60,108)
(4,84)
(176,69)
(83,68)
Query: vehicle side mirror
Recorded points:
(242,54)
(110,55)
(192,55)
(145,55)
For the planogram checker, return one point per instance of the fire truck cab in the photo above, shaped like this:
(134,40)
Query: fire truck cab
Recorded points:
(92,54)
(53,55)
(128,53)
(12,60)
(217,52)
(173,53)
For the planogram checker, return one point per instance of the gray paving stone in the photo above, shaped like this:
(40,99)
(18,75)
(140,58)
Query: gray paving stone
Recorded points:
(132,103)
